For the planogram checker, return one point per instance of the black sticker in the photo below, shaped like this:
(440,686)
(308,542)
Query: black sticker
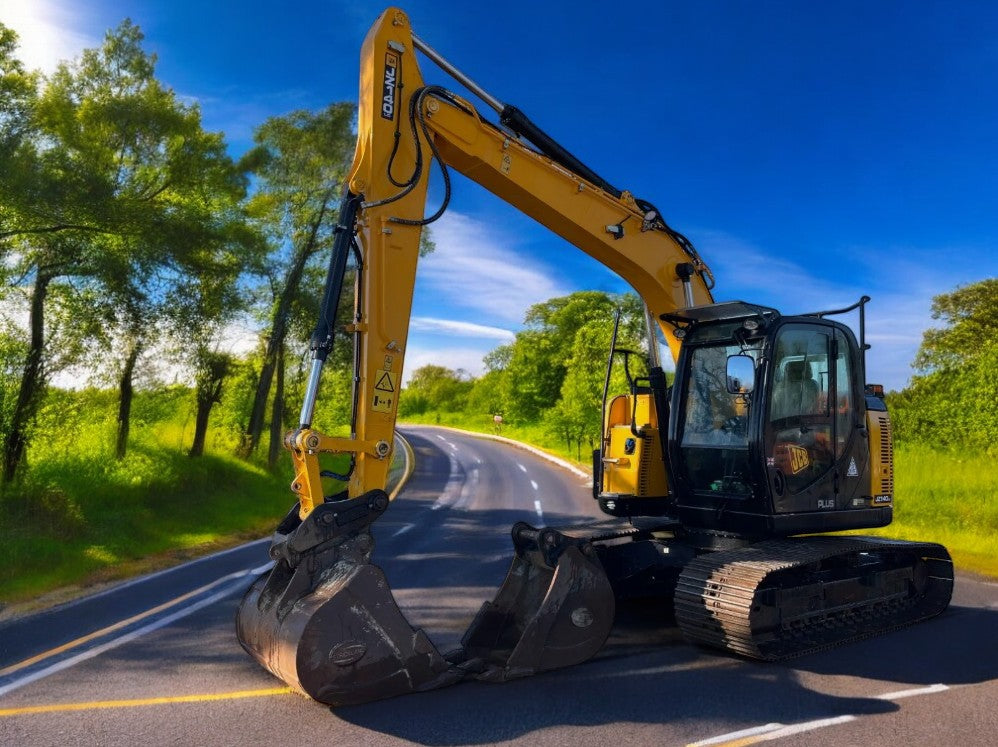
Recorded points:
(389,85)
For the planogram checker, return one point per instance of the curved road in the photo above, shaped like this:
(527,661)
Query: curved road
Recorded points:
(155,661)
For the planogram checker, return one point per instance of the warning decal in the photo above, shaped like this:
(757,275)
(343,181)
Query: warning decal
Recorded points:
(385,381)
(385,384)
(852,472)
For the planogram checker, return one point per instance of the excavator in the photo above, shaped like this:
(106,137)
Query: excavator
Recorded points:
(715,484)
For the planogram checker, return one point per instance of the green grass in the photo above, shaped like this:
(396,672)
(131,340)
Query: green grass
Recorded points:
(940,496)
(77,520)
(78,516)
(950,498)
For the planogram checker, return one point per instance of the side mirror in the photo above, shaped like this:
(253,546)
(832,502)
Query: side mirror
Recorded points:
(740,374)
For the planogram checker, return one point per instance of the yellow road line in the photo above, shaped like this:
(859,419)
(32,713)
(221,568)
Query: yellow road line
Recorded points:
(109,629)
(741,742)
(98,704)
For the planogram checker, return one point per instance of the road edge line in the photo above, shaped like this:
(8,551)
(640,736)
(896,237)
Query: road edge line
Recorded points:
(410,466)
(563,463)
(238,584)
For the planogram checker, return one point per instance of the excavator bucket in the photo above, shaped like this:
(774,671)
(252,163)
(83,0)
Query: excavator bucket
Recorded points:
(324,619)
(554,609)
(343,643)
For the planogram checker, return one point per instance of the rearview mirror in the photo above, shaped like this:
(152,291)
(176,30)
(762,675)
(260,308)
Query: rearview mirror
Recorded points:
(740,374)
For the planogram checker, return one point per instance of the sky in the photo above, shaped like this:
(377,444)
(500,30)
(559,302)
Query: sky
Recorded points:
(813,152)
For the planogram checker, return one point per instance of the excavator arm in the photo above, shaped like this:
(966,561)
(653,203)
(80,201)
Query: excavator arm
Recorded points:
(324,619)
(403,125)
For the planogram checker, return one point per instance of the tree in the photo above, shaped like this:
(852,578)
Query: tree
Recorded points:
(213,368)
(970,316)
(17,100)
(954,400)
(579,409)
(537,362)
(300,161)
(116,190)
(437,388)
(486,395)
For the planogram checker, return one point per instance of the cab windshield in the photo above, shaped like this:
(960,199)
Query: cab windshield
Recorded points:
(715,420)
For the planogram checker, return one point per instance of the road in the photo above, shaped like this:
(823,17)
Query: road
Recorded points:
(171,672)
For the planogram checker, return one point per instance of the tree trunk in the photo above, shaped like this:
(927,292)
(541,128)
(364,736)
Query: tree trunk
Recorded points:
(200,427)
(209,393)
(125,400)
(207,397)
(277,414)
(32,382)
(278,333)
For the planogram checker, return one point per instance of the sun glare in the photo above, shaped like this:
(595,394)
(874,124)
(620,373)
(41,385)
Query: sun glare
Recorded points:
(48,31)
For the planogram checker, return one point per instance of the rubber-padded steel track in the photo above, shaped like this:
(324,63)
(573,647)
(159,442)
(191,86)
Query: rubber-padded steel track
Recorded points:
(784,598)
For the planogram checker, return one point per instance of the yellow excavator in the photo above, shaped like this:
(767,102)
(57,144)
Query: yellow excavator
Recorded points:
(715,484)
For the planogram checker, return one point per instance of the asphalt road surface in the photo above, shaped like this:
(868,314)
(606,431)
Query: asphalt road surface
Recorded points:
(155,661)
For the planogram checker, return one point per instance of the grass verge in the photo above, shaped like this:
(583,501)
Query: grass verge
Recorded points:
(80,518)
(77,522)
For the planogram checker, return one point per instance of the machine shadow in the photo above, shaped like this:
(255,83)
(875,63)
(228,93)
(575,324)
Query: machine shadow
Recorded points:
(960,646)
(647,674)
(658,686)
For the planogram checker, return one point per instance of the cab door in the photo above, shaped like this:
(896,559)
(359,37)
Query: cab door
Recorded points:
(800,429)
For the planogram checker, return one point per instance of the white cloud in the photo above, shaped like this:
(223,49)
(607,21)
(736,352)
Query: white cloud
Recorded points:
(460,329)
(474,267)
(746,272)
(48,31)
(895,319)
(468,359)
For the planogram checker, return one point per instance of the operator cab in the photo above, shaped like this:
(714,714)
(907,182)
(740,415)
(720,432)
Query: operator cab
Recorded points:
(768,430)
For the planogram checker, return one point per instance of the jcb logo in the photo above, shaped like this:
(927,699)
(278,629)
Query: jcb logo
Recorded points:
(799,459)
(389,85)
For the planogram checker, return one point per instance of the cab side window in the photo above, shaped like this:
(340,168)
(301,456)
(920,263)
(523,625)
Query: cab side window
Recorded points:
(843,403)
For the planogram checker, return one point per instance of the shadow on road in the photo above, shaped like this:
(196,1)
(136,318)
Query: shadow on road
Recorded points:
(958,647)
(647,674)
(656,687)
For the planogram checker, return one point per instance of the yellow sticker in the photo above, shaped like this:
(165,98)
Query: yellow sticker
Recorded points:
(385,386)
(382,402)
(385,381)
(799,459)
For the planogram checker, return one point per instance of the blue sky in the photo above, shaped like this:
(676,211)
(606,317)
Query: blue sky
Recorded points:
(813,152)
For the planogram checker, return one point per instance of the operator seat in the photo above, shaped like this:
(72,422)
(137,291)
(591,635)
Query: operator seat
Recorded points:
(797,394)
